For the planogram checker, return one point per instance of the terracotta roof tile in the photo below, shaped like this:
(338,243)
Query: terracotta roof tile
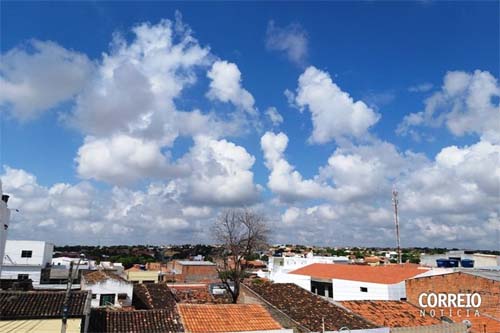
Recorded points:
(138,321)
(389,274)
(390,313)
(40,304)
(94,277)
(192,294)
(153,296)
(308,309)
(209,318)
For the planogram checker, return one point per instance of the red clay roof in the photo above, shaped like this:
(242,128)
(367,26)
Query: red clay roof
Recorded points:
(208,318)
(390,313)
(388,274)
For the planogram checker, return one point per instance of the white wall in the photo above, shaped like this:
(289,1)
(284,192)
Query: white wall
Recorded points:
(12,272)
(14,264)
(302,281)
(109,286)
(292,263)
(41,252)
(346,290)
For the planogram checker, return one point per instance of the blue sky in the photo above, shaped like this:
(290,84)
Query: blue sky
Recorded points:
(420,70)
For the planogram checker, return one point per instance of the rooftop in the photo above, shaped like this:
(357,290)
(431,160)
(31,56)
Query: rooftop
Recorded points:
(207,318)
(100,276)
(387,274)
(40,304)
(153,296)
(390,313)
(195,263)
(307,309)
(138,321)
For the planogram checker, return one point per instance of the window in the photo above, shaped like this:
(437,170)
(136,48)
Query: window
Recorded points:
(122,296)
(107,299)
(26,254)
(94,296)
(148,281)
(363,289)
(23,276)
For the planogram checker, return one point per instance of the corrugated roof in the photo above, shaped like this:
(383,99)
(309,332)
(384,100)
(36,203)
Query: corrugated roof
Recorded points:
(387,274)
(390,313)
(208,318)
(40,304)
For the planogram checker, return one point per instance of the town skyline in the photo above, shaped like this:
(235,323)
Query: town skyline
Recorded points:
(135,125)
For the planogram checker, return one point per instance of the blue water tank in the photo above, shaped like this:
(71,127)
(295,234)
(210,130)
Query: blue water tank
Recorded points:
(442,262)
(467,263)
(454,262)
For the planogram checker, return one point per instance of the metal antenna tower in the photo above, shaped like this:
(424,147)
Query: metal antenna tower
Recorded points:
(395,201)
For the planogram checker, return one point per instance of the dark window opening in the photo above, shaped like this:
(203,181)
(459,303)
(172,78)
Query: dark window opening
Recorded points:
(122,296)
(23,276)
(107,299)
(363,289)
(94,296)
(322,288)
(26,254)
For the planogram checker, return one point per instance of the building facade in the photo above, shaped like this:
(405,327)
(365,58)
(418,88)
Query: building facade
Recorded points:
(108,289)
(25,259)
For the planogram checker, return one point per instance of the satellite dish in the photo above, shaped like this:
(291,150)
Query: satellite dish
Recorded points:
(467,323)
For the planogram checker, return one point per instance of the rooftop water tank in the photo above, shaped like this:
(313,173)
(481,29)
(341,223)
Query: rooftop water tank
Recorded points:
(443,263)
(454,262)
(467,263)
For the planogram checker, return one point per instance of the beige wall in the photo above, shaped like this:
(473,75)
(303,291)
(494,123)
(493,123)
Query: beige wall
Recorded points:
(140,276)
(39,326)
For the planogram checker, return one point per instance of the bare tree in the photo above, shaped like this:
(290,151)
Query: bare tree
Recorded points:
(241,232)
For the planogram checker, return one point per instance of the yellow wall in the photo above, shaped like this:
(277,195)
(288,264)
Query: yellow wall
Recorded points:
(141,276)
(40,326)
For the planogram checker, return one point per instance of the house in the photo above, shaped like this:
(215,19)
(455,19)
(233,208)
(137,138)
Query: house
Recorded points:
(482,286)
(211,318)
(139,274)
(356,282)
(471,259)
(190,271)
(297,308)
(41,311)
(108,289)
(25,259)
(137,321)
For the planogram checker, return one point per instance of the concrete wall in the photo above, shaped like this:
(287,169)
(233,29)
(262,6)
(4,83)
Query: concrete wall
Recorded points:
(302,281)
(40,325)
(41,252)
(345,290)
(12,272)
(109,286)
(141,276)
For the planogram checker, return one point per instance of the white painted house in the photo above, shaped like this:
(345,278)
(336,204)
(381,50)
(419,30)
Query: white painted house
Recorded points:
(355,282)
(280,266)
(108,289)
(25,259)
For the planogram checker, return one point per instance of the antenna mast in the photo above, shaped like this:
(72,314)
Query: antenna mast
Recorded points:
(396,220)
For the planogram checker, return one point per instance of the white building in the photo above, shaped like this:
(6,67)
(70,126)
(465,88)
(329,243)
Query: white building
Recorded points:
(355,282)
(4,223)
(108,289)
(25,259)
(279,266)
(65,262)
(481,260)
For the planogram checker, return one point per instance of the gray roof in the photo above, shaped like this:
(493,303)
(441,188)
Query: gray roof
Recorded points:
(491,274)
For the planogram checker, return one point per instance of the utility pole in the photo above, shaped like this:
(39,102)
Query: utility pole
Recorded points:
(395,201)
(65,309)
